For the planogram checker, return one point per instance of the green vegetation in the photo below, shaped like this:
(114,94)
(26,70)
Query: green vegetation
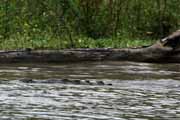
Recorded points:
(47,42)
(54,24)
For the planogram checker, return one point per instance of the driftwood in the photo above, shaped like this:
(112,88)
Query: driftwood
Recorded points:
(165,50)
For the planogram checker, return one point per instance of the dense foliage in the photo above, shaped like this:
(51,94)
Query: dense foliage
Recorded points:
(39,22)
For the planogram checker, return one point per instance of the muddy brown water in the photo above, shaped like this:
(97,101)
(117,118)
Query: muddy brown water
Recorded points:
(140,91)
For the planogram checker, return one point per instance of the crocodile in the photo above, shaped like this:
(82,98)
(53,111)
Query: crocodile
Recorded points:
(66,81)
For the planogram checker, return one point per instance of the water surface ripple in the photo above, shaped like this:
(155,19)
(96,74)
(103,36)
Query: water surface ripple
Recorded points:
(140,91)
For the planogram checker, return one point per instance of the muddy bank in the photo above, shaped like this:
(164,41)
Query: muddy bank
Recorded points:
(165,50)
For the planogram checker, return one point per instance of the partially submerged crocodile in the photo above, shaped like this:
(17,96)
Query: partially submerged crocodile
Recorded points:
(66,81)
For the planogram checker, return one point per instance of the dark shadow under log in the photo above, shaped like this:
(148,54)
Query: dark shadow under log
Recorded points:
(165,50)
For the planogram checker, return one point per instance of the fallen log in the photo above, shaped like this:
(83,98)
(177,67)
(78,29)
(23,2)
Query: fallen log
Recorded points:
(165,50)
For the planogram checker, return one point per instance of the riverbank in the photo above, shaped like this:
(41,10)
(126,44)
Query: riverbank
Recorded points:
(53,43)
(165,50)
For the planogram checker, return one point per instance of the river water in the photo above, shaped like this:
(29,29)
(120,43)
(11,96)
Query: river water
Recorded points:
(140,91)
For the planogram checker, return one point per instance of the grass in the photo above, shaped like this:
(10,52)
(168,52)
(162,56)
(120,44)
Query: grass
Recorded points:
(50,42)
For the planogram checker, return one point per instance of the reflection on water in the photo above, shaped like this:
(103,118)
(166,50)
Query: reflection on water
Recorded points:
(140,91)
